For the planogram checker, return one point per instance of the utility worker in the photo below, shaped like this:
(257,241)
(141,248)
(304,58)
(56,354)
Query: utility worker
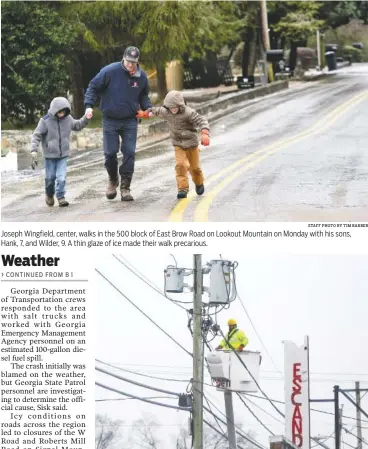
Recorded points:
(235,337)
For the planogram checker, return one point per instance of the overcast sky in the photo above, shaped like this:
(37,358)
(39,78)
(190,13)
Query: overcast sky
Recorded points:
(286,296)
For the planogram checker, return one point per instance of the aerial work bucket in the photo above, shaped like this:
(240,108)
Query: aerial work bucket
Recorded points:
(229,372)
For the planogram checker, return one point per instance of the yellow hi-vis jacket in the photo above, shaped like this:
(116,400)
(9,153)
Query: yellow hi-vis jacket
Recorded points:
(236,338)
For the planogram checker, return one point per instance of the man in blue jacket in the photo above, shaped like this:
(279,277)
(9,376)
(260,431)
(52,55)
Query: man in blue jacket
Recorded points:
(123,88)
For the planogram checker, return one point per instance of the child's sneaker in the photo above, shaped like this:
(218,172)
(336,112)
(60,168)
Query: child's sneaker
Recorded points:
(50,200)
(63,202)
(182,194)
(200,189)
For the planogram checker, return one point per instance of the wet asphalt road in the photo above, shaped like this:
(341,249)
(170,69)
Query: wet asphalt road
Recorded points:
(298,155)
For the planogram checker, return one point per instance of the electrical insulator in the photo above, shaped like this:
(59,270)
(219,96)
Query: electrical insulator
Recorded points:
(174,280)
(220,282)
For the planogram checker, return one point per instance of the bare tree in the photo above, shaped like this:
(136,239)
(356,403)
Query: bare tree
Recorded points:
(213,440)
(183,440)
(107,432)
(144,434)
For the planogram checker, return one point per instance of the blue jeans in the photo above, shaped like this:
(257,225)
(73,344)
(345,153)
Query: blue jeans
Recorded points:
(55,176)
(127,130)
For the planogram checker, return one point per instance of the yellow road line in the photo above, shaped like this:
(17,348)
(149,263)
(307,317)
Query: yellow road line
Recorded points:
(201,211)
(179,210)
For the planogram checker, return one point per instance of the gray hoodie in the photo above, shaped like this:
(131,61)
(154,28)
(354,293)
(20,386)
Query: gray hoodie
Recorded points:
(54,133)
(184,125)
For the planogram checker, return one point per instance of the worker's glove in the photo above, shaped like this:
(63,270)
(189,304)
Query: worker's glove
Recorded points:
(205,138)
(144,114)
(218,348)
(34,159)
(89,113)
(240,349)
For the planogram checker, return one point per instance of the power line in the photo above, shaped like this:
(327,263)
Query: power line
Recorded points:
(259,337)
(209,406)
(128,399)
(255,416)
(246,437)
(223,414)
(140,374)
(251,411)
(324,441)
(156,403)
(265,411)
(184,380)
(124,379)
(168,372)
(140,310)
(312,409)
(181,380)
(153,322)
(356,436)
(141,399)
(216,430)
(265,371)
(220,433)
(140,425)
(152,285)
(347,444)
(144,278)
(251,375)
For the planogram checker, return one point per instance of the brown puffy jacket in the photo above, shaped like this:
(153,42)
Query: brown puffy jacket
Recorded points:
(185,124)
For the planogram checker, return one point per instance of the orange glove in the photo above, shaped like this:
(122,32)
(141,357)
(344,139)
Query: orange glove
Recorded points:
(205,138)
(142,114)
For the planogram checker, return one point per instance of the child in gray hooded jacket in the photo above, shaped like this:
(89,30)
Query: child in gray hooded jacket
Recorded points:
(53,131)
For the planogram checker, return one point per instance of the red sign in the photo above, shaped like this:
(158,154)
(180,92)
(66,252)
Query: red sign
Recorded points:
(297,417)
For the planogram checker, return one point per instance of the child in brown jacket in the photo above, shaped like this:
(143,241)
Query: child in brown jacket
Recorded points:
(184,123)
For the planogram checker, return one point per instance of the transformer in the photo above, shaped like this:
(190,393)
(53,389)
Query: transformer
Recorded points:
(174,280)
(222,284)
(226,369)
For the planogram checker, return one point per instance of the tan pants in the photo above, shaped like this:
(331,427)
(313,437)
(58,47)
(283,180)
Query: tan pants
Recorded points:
(187,159)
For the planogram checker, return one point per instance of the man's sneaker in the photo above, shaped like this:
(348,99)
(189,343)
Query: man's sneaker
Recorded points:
(200,189)
(111,189)
(182,194)
(50,200)
(125,195)
(63,202)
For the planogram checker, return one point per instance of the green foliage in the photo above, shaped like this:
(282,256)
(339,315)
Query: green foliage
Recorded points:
(336,13)
(164,30)
(347,34)
(102,25)
(34,69)
(41,38)
(352,53)
(296,19)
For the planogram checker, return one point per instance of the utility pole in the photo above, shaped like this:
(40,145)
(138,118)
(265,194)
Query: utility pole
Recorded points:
(319,49)
(266,37)
(197,354)
(230,419)
(337,418)
(358,416)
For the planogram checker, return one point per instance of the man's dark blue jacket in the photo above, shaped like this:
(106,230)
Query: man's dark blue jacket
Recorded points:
(122,94)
